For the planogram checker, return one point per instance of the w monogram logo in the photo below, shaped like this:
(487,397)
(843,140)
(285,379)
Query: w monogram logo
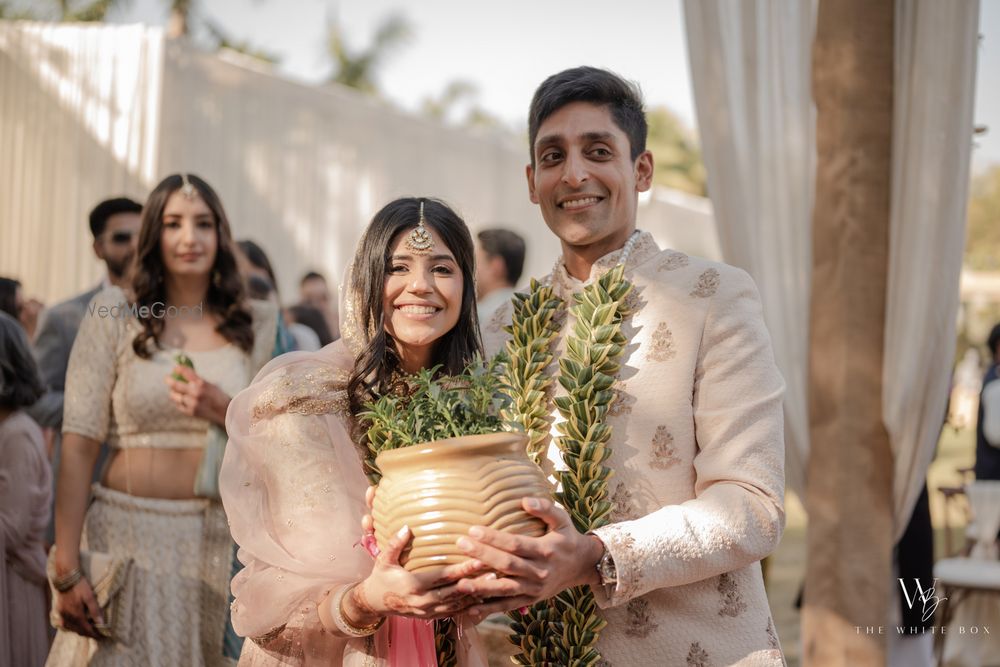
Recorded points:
(928,600)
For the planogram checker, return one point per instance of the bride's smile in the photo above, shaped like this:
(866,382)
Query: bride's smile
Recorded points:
(422,296)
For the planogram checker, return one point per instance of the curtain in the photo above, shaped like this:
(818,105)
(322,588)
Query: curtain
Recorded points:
(935,78)
(79,120)
(95,111)
(750,69)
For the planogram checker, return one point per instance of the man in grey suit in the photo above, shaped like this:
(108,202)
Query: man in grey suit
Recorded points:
(115,226)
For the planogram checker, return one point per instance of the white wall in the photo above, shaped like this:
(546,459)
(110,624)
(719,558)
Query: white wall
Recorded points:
(89,112)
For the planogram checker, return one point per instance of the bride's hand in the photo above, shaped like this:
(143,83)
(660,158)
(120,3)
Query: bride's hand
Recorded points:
(390,589)
(368,521)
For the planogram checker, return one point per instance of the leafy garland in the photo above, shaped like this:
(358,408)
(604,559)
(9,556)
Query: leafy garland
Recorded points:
(564,629)
(528,355)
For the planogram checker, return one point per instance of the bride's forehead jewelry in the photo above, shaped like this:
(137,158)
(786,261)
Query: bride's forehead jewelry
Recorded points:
(419,242)
(186,188)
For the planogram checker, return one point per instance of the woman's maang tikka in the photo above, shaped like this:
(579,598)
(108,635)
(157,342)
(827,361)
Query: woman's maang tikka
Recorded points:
(187,189)
(420,242)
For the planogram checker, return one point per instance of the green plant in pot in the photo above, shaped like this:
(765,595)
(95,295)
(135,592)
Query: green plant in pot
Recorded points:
(443,463)
(438,451)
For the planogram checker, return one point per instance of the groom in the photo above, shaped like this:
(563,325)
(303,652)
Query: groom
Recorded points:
(696,424)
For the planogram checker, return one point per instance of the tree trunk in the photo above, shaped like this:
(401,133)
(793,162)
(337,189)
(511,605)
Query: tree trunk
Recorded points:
(849,492)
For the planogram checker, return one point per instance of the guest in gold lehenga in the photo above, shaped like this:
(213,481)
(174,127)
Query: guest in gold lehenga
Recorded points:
(119,389)
(292,480)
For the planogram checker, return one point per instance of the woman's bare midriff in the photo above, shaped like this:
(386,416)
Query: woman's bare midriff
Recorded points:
(153,472)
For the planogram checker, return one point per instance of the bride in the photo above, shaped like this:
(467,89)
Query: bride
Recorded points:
(292,481)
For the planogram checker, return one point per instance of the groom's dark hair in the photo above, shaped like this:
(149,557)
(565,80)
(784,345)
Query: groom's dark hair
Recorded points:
(596,86)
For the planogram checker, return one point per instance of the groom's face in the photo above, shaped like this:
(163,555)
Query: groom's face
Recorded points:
(584,178)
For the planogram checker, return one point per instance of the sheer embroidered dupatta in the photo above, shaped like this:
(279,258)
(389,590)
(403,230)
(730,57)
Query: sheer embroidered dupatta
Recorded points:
(293,488)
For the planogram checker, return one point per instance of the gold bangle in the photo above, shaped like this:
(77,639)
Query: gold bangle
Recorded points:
(68,580)
(345,626)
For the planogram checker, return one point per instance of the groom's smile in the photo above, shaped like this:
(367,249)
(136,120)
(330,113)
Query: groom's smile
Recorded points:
(579,202)
(584,178)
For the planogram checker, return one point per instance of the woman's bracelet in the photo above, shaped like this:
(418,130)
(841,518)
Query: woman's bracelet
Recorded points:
(345,626)
(68,580)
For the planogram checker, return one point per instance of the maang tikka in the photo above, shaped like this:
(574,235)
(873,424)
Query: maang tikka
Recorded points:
(419,242)
(186,188)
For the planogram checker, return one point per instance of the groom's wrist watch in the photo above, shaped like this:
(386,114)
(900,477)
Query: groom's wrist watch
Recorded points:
(607,572)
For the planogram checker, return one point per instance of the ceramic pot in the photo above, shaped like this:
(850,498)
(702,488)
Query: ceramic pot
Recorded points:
(442,488)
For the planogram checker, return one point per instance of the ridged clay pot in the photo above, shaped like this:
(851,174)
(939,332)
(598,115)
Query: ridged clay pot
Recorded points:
(442,488)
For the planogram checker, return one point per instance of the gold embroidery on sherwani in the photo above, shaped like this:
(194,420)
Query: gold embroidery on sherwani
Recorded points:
(772,637)
(623,510)
(640,620)
(624,540)
(622,402)
(634,301)
(732,603)
(697,656)
(664,455)
(661,345)
(619,540)
(675,260)
(708,283)
(500,316)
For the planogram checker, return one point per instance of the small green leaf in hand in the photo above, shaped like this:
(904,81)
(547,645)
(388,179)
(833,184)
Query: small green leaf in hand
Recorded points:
(182,359)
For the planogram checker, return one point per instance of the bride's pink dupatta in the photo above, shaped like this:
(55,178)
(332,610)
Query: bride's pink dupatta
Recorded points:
(411,641)
(294,492)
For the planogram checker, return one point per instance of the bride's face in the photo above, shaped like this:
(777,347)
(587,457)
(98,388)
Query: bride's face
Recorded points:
(422,295)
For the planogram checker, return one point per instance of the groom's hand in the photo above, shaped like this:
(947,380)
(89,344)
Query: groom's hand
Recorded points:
(529,569)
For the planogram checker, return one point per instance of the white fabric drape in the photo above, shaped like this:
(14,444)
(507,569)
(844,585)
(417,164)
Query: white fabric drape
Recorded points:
(750,69)
(79,122)
(932,139)
(92,111)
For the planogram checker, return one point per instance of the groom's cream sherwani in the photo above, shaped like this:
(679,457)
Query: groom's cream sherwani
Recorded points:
(699,464)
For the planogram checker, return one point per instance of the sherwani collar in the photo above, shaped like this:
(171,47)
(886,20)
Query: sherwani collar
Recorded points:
(644,249)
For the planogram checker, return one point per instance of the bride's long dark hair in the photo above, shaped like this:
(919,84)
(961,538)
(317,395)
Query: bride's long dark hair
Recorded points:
(375,365)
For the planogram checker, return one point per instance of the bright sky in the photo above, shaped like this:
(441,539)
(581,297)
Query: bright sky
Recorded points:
(507,49)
